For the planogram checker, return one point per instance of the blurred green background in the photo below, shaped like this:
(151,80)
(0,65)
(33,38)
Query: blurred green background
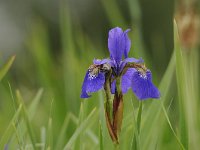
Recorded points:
(55,42)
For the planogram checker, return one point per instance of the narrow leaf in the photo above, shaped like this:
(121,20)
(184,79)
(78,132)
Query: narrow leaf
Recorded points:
(85,124)
(6,67)
(5,137)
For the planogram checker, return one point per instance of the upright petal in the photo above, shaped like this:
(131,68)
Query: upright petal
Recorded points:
(118,43)
(143,87)
(127,43)
(92,83)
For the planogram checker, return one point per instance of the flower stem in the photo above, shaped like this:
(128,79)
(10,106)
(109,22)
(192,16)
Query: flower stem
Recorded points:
(139,116)
(108,107)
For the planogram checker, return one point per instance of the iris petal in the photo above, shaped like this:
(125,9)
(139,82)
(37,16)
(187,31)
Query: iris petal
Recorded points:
(127,43)
(100,62)
(143,87)
(92,84)
(126,81)
(140,60)
(125,61)
(118,44)
(113,87)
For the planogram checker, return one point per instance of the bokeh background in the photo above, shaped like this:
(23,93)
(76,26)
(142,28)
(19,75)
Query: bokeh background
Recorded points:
(55,42)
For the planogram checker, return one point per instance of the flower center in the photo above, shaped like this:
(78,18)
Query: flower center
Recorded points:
(142,71)
(93,71)
(143,75)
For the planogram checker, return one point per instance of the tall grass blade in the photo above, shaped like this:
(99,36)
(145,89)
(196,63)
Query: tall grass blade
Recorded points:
(152,116)
(139,117)
(180,75)
(4,69)
(9,131)
(61,135)
(135,144)
(170,125)
(49,144)
(26,118)
(32,109)
(100,136)
(85,124)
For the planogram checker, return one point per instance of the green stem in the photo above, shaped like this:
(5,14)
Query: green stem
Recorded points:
(108,95)
(118,84)
(139,117)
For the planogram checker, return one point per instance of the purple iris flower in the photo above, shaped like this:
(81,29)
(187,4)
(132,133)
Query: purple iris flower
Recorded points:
(138,78)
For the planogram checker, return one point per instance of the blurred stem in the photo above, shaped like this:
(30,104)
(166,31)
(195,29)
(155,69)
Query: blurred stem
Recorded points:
(139,117)
(117,147)
(136,139)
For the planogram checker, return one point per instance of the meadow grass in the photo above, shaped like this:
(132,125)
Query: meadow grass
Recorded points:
(52,115)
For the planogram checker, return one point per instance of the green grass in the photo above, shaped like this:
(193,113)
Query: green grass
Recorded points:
(48,113)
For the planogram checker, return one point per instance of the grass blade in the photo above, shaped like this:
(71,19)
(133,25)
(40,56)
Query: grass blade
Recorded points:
(153,115)
(180,75)
(6,67)
(33,106)
(49,144)
(10,129)
(26,118)
(139,117)
(85,124)
(61,137)
(170,125)
(100,136)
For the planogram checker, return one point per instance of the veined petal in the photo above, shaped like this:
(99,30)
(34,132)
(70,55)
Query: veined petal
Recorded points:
(118,43)
(143,87)
(92,83)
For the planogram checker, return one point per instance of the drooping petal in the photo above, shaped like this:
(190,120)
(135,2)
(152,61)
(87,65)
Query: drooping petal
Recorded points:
(118,43)
(143,87)
(92,83)
(126,81)
(84,94)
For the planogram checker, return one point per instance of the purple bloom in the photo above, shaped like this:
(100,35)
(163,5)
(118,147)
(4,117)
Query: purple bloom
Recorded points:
(137,77)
